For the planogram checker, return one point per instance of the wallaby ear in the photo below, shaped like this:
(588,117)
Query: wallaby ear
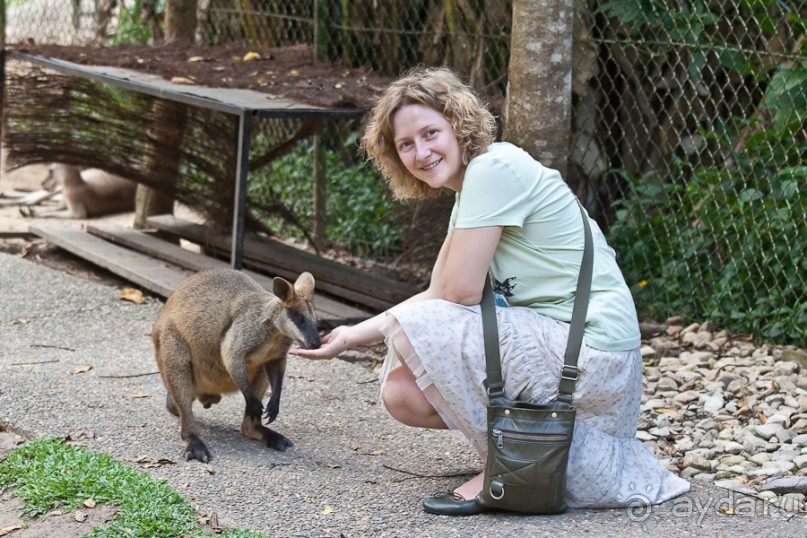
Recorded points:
(283,290)
(304,287)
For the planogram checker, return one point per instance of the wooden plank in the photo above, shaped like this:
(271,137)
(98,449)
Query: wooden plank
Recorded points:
(276,257)
(133,266)
(329,311)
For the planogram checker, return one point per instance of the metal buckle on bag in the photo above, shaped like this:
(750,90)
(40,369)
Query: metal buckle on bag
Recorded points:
(570,373)
(500,486)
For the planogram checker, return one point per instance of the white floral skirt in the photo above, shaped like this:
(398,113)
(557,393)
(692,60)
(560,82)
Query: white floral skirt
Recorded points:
(444,348)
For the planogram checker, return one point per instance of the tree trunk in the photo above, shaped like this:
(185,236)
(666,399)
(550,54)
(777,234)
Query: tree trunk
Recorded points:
(537,112)
(180,21)
(170,118)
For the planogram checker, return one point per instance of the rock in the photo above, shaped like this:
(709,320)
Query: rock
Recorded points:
(644,436)
(800,461)
(786,453)
(752,444)
(669,364)
(714,403)
(759,459)
(795,355)
(732,460)
(767,496)
(766,431)
(666,383)
(800,426)
(800,440)
(784,466)
(786,368)
(687,397)
(698,339)
(735,485)
(697,461)
(792,502)
(780,486)
(648,352)
(737,385)
(764,472)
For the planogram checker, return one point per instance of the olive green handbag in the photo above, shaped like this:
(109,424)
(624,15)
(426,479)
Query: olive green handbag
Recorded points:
(528,444)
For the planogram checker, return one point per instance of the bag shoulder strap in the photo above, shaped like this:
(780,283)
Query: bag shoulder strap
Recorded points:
(569,372)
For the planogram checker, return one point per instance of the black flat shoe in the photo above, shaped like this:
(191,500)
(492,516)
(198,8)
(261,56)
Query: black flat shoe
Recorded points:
(453,504)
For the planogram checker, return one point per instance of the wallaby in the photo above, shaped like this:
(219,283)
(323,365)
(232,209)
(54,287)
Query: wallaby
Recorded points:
(89,193)
(220,331)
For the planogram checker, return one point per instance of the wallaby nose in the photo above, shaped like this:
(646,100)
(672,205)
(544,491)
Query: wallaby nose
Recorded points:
(311,339)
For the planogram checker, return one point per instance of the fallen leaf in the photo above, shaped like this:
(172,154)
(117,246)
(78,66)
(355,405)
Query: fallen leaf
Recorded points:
(75,436)
(82,369)
(327,511)
(248,57)
(139,395)
(726,509)
(376,452)
(132,295)
(183,80)
(334,466)
(196,59)
(89,503)
(81,517)
(11,528)
(762,418)
(148,462)
(294,73)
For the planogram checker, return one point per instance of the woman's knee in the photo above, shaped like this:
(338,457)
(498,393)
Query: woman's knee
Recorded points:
(404,400)
(397,390)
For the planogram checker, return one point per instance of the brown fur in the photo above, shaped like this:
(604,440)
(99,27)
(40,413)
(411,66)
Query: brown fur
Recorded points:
(219,332)
(88,194)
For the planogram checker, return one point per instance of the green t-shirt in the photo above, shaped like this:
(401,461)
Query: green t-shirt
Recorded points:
(538,257)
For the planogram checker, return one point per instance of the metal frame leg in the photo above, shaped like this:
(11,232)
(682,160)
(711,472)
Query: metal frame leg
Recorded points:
(241,173)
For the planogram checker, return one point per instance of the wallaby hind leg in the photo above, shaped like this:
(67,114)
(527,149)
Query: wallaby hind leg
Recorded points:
(252,426)
(178,380)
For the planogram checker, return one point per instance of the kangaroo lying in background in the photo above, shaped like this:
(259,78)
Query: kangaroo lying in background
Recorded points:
(220,331)
(88,194)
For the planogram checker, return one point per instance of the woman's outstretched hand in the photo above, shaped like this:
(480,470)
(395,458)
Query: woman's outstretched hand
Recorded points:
(333,344)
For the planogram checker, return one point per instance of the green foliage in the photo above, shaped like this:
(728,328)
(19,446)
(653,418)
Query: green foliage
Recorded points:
(131,27)
(726,245)
(359,206)
(49,474)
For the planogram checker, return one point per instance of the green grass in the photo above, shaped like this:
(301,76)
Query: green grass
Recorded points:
(48,474)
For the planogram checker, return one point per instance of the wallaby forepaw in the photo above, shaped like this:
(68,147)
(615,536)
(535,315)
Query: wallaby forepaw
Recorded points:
(274,440)
(271,412)
(196,450)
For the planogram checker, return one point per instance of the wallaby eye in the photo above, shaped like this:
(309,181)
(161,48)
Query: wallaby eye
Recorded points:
(296,317)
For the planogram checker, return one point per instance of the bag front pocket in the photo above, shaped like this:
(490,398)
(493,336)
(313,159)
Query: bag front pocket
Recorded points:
(518,457)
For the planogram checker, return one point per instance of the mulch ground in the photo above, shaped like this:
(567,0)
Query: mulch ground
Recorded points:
(288,72)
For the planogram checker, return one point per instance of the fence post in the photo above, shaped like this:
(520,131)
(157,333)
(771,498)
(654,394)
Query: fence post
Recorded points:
(320,191)
(320,30)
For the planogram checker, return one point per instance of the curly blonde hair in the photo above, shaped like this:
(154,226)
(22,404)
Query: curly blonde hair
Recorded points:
(440,89)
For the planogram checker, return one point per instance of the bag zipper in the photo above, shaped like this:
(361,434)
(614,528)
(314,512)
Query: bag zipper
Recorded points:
(528,437)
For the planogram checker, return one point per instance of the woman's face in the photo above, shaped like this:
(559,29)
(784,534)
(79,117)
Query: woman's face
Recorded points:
(428,147)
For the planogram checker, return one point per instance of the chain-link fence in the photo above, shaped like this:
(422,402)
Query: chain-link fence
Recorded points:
(688,137)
